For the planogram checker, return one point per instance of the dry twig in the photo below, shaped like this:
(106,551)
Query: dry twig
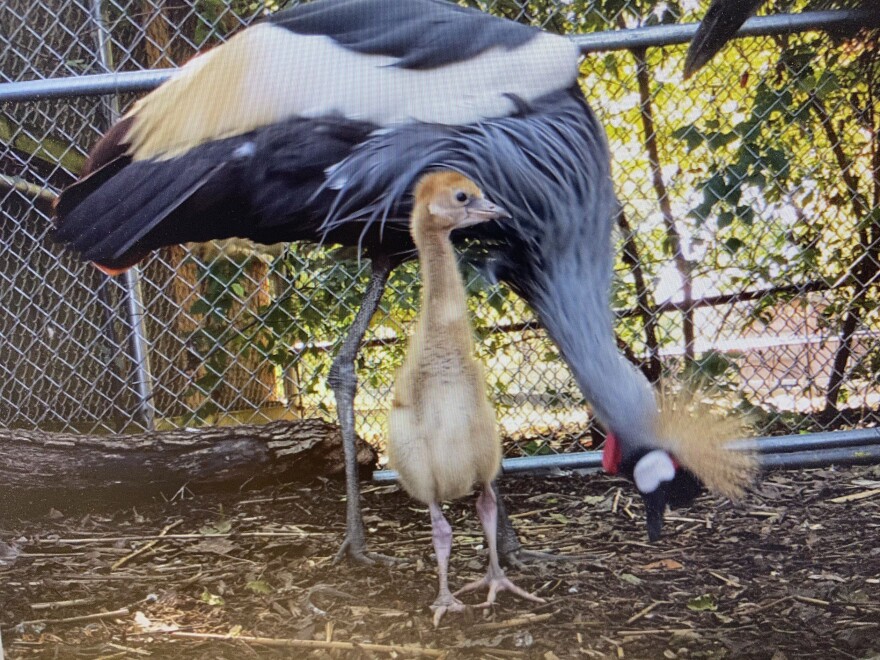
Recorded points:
(281,643)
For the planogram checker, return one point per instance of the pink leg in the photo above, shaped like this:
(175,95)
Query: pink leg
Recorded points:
(441,534)
(495,579)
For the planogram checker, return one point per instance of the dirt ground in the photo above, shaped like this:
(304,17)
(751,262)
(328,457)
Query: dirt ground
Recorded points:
(792,572)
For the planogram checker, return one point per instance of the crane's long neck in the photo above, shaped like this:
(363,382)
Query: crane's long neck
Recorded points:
(444,299)
(566,276)
(575,312)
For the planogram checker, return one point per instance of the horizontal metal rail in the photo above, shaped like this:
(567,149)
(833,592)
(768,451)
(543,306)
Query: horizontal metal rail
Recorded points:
(90,85)
(626,39)
(781,444)
(682,33)
(801,460)
(790,451)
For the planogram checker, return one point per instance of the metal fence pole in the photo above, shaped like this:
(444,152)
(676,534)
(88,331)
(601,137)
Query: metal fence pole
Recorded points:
(140,344)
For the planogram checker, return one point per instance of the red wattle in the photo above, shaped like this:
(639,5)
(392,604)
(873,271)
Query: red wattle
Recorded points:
(611,454)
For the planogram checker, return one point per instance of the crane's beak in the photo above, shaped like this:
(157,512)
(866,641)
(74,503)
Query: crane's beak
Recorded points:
(652,475)
(480,209)
(676,492)
(655,506)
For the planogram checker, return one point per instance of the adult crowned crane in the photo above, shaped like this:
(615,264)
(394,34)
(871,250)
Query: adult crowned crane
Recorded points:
(315,123)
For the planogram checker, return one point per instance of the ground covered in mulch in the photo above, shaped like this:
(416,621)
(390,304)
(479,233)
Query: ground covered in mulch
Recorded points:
(792,572)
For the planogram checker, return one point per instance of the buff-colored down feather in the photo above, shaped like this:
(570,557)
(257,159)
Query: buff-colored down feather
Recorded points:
(442,433)
(442,437)
(701,440)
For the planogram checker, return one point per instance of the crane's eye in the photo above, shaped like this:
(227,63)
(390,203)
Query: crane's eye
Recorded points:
(461,196)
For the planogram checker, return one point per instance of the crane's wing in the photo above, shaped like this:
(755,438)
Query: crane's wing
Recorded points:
(722,20)
(373,61)
(251,127)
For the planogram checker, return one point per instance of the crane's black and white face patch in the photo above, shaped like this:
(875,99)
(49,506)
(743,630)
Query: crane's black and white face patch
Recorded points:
(652,470)
(286,68)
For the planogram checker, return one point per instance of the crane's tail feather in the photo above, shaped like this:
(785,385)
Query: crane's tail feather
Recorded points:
(722,20)
(700,440)
(123,210)
(105,227)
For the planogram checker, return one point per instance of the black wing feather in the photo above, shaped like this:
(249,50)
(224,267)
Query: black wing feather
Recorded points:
(399,29)
(132,201)
(263,185)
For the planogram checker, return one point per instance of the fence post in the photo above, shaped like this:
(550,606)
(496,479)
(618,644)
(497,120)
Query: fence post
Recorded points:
(140,344)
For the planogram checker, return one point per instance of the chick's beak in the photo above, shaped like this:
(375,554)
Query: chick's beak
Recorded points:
(480,209)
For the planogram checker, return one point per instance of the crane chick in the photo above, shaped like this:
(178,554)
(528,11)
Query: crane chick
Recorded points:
(441,428)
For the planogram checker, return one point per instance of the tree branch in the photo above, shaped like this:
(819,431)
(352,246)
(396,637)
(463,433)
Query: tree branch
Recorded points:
(650,137)
(863,271)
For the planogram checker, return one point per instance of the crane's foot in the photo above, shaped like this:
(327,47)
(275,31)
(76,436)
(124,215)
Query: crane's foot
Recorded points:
(446,603)
(519,558)
(510,550)
(358,554)
(497,581)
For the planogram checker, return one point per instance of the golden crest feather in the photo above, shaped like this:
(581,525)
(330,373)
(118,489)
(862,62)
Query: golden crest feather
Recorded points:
(700,440)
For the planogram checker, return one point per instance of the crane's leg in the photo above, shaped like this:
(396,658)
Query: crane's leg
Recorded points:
(441,535)
(495,579)
(343,382)
(510,550)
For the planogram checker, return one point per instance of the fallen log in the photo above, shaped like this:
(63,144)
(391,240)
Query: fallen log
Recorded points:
(39,469)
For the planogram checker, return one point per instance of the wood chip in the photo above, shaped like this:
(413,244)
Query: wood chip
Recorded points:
(515,622)
(856,496)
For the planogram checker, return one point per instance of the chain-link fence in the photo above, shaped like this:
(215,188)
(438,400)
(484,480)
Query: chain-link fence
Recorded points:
(748,243)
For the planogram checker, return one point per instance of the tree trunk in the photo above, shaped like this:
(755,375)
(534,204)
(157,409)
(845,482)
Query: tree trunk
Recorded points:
(675,243)
(39,469)
(863,271)
(644,301)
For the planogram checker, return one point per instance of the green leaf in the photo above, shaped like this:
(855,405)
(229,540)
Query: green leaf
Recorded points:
(733,244)
(208,382)
(259,587)
(690,135)
(712,364)
(827,85)
(721,139)
(212,599)
(535,448)
(704,603)
(200,306)
(746,214)
(778,161)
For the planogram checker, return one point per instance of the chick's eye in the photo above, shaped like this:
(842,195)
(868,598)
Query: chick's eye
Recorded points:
(461,197)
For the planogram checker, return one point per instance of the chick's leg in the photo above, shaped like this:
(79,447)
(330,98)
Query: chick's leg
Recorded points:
(441,534)
(495,579)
